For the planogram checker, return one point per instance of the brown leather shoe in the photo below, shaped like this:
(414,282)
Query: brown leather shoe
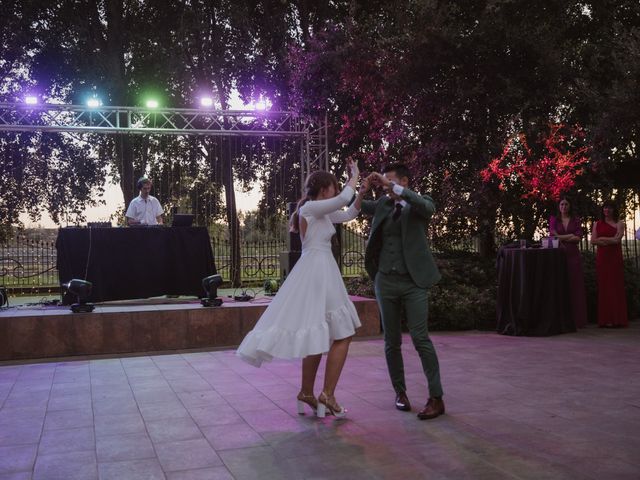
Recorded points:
(402,402)
(434,408)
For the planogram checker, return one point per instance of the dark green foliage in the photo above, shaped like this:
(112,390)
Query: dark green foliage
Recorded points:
(465,297)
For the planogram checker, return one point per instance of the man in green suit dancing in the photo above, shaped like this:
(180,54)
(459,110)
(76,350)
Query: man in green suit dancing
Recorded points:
(399,261)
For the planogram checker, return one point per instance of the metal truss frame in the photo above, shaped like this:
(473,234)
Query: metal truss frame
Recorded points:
(20,117)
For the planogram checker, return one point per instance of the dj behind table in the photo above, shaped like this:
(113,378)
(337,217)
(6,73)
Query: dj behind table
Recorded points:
(127,263)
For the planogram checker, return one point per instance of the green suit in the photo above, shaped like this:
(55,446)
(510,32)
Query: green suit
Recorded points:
(398,259)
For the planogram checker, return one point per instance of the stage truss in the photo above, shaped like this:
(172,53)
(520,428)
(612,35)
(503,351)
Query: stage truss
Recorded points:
(312,133)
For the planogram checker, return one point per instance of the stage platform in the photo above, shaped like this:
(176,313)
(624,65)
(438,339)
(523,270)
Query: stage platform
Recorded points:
(154,325)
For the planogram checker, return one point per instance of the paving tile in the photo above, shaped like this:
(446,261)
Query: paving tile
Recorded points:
(119,424)
(238,435)
(23,399)
(213,473)
(74,401)
(114,448)
(148,469)
(20,426)
(257,462)
(270,421)
(66,466)
(183,428)
(245,403)
(208,397)
(15,459)
(163,410)
(187,455)
(66,419)
(214,415)
(16,476)
(154,395)
(64,441)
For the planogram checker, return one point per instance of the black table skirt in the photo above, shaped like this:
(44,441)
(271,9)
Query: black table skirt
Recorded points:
(533,292)
(127,263)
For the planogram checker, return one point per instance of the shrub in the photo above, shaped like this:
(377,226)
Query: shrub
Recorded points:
(465,297)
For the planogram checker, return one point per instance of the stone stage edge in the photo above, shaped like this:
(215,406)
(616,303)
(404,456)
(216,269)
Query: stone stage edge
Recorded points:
(34,332)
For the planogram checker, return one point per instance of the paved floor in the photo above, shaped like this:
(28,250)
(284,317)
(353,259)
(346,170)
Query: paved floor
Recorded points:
(559,407)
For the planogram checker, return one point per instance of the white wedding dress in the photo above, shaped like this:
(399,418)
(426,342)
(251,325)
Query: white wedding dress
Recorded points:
(312,307)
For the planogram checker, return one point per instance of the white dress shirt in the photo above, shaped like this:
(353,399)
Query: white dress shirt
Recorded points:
(145,210)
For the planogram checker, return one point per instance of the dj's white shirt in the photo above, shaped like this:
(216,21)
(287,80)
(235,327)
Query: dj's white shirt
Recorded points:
(145,210)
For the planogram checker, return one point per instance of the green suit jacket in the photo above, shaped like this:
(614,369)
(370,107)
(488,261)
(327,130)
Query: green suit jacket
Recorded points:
(415,246)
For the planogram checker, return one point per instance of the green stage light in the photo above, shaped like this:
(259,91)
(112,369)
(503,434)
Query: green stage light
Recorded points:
(152,103)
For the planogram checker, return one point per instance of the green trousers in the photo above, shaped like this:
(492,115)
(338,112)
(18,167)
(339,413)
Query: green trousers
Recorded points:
(396,293)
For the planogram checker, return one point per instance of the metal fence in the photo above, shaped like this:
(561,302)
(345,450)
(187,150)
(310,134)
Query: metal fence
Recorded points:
(28,261)
(259,260)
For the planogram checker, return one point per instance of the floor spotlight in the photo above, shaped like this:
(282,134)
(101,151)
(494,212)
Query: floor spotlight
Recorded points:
(210,285)
(81,289)
(270,287)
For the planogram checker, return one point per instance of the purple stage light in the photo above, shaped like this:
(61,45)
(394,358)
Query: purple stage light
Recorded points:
(31,100)
(262,103)
(206,102)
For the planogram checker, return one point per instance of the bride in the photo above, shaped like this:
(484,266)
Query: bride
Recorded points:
(312,313)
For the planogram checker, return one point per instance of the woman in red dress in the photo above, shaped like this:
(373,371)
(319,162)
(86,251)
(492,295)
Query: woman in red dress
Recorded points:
(612,301)
(567,227)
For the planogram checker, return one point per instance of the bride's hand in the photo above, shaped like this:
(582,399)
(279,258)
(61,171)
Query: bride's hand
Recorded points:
(353,169)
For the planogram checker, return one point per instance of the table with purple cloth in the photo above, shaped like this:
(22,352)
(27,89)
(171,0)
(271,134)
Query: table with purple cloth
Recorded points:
(130,263)
(533,292)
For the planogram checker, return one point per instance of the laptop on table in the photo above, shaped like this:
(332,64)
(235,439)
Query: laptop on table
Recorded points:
(182,220)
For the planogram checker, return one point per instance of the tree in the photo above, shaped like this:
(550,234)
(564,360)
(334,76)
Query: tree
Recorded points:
(528,182)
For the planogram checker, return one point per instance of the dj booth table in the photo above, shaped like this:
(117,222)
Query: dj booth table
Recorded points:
(141,262)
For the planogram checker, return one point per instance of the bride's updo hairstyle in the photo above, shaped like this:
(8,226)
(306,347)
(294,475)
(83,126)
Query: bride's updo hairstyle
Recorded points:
(312,187)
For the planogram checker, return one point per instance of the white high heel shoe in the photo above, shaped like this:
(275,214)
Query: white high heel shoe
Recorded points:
(328,403)
(309,400)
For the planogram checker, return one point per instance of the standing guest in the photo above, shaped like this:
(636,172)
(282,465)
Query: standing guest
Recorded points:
(607,235)
(312,314)
(399,261)
(144,209)
(567,227)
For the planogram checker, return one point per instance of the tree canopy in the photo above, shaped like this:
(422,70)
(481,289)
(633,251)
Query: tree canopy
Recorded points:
(445,86)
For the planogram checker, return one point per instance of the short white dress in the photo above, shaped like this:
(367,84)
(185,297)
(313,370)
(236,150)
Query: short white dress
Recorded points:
(312,307)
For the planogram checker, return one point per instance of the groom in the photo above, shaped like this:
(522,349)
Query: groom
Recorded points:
(399,261)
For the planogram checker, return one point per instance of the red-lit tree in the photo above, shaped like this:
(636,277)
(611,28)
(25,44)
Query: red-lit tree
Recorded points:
(529,178)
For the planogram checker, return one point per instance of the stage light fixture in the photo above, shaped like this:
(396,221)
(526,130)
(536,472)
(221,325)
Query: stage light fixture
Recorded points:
(270,286)
(152,103)
(206,101)
(93,102)
(210,285)
(81,289)
(31,100)
(263,103)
